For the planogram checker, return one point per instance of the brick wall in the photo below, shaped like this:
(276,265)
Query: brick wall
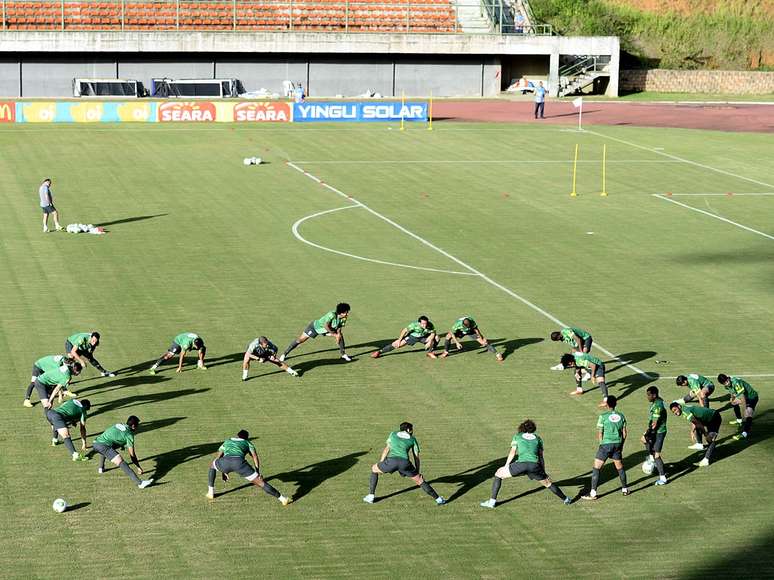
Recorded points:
(697,81)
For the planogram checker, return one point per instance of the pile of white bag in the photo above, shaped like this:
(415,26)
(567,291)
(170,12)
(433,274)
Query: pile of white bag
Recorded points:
(84,229)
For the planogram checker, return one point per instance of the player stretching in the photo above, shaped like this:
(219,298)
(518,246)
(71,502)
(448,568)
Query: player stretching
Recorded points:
(704,421)
(231,458)
(581,361)
(578,339)
(263,350)
(70,413)
(81,347)
(330,324)
(611,433)
(120,436)
(182,343)
(654,437)
(743,396)
(43,365)
(422,331)
(700,388)
(528,448)
(395,457)
(50,383)
(466,326)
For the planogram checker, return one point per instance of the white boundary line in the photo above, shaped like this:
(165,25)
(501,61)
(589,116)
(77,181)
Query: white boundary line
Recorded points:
(476,161)
(471,269)
(358,205)
(729,194)
(697,164)
(717,217)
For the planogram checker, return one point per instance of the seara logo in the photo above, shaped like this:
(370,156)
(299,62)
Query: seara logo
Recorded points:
(262,112)
(203,112)
(7,112)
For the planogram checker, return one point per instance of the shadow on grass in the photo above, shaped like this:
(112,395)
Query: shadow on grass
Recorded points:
(130,219)
(313,475)
(470,478)
(147,426)
(629,358)
(120,383)
(165,462)
(77,506)
(137,400)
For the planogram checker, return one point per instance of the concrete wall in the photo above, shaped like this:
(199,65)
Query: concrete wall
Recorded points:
(41,79)
(50,75)
(698,81)
(263,71)
(9,77)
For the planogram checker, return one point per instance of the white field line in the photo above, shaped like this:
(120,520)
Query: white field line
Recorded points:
(471,269)
(476,161)
(717,217)
(729,194)
(697,164)
(359,205)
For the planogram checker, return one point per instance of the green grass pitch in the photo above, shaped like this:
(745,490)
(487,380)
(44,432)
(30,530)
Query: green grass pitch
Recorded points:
(199,242)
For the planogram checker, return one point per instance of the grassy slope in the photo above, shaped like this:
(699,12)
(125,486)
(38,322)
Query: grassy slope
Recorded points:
(728,36)
(213,253)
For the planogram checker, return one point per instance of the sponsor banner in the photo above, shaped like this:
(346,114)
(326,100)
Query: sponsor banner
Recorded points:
(264,112)
(7,112)
(187,112)
(361,112)
(86,112)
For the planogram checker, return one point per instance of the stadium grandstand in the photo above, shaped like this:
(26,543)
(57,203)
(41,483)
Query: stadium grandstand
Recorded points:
(332,47)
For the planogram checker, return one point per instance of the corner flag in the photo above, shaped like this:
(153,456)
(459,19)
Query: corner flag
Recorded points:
(578,104)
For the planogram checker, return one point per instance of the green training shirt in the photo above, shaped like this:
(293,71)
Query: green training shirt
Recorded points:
(186,340)
(72,412)
(567,335)
(697,382)
(119,435)
(658,413)
(739,387)
(528,446)
(330,317)
(236,447)
(415,329)
(612,425)
(703,414)
(584,360)
(400,443)
(459,326)
(49,363)
(80,340)
(58,376)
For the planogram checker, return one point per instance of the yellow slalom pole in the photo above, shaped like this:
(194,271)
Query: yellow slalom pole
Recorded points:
(574,170)
(604,165)
(430,113)
(402,107)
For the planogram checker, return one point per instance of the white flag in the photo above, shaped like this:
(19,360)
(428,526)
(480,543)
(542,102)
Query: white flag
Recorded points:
(577,102)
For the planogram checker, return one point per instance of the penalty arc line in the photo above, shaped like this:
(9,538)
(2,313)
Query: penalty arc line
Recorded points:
(356,257)
(471,269)
(717,217)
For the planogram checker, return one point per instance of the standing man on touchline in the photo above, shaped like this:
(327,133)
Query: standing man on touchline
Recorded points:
(47,205)
(540,100)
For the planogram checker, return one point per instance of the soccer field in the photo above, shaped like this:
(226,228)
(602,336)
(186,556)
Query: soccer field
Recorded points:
(672,273)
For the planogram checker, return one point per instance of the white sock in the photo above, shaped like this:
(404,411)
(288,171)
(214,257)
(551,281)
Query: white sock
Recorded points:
(155,366)
(244,374)
(651,459)
(210,489)
(282,498)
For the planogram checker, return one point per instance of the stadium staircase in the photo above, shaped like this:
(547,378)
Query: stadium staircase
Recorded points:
(580,73)
(433,16)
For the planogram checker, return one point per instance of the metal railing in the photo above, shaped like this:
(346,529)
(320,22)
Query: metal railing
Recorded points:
(430,16)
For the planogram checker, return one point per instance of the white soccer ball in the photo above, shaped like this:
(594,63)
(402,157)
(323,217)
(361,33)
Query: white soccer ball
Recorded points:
(59,505)
(648,467)
(248,161)
(257,160)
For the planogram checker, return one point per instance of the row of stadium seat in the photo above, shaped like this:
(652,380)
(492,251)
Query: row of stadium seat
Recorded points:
(429,16)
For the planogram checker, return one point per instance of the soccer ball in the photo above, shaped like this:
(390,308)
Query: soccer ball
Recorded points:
(257,160)
(648,467)
(59,505)
(248,161)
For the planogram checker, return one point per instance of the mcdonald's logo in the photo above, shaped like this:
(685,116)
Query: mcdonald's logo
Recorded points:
(7,112)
